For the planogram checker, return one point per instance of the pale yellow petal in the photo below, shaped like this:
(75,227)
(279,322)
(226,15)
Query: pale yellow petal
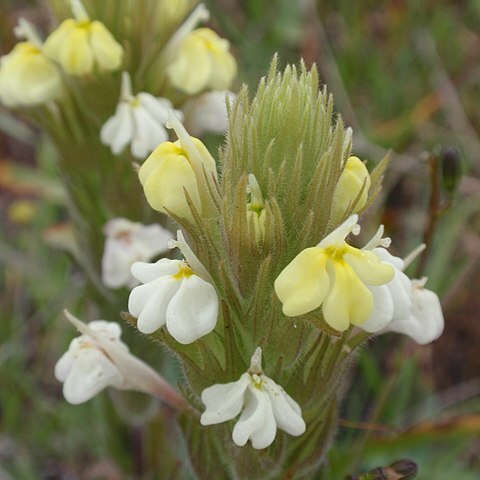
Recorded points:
(348,188)
(75,55)
(304,283)
(107,51)
(56,40)
(349,301)
(28,77)
(224,70)
(192,68)
(368,267)
(164,187)
(208,160)
(155,158)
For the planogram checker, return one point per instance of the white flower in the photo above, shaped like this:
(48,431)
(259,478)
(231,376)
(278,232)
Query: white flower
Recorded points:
(99,359)
(126,243)
(264,407)
(173,295)
(208,112)
(425,322)
(391,301)
(139,121)
(403,305)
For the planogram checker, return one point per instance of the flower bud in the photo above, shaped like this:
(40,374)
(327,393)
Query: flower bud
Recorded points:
(256,208)
(203,62)
(451,168)
(169,170)
(353,178)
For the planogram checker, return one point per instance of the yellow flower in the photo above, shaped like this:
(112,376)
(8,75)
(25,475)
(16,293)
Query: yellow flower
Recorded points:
(333,274)
(27,77)
(80,45)
(203,62)
(173,167)
(351,181)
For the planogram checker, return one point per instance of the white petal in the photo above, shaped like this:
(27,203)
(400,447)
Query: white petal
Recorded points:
(118,131)
(151,240)
(287,412)
(108,330)
(157,107)
(208,112)
(193,311)
(400,290)
(383,308)
(386,256)
(117,226)
(152,301)
(223,401)
(148,133)
(426,322)
(91,372)
(116,262)
(147,272)
(256,422)
(63,366)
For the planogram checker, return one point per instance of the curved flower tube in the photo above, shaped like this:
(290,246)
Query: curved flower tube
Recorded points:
(99,359)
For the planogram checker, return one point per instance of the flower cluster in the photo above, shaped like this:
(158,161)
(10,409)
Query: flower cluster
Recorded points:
(196,62)
(268,263)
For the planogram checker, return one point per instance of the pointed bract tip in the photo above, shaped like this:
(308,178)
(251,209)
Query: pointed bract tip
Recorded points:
(256,361)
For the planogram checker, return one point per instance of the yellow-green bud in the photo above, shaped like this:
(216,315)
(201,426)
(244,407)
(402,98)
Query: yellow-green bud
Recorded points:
(353,178)
(168,171)
(256,208)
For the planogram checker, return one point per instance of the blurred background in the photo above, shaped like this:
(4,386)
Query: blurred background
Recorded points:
(406,76)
